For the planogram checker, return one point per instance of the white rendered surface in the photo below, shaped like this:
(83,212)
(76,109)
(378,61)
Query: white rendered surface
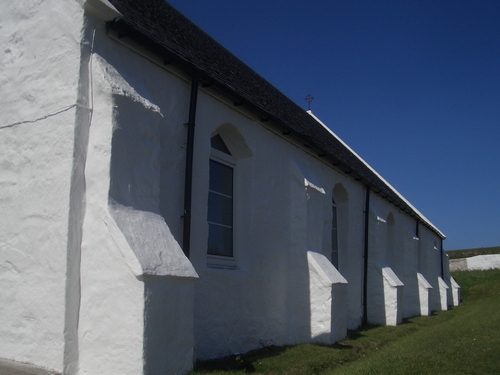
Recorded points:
(374,171)
(140,310)
(424,289)
(104,156)
(328,293)
(443,293)
(37,117)
(478,262)
(455,292)
(385,300)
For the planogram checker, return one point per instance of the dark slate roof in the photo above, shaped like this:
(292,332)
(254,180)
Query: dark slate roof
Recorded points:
(158,26)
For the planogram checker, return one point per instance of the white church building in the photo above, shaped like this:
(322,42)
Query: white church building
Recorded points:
(162,203)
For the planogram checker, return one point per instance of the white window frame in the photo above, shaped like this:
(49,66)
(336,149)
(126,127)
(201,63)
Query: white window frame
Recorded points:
(219,261)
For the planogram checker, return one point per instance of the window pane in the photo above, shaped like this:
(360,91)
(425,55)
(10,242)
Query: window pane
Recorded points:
(335,250)
(220,240)
(221,178)
(217,143)
(220,209)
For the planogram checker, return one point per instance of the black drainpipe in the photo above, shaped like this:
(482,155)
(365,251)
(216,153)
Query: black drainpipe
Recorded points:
(365,273)
(188,181)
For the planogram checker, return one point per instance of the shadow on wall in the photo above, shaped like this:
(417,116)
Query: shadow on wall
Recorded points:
(135,156)
(340,231)
(376,299)
(306,196)
(385,295)
(167,275)
(376,312)
(168,324)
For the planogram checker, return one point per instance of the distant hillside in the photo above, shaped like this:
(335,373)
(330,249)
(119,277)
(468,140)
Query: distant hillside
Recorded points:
(467,253)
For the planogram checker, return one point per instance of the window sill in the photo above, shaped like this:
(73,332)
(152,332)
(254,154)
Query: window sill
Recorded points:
(215,261)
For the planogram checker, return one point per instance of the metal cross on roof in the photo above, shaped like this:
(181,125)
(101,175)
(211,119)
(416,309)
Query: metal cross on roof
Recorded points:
(309,98)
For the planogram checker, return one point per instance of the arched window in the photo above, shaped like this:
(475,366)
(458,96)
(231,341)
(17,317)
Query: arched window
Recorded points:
(229,166)
(392,256)
(335,240)
(340,228)
(220,199)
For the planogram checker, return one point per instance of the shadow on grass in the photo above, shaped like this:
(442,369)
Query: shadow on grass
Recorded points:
(244,362)
(241,362)
(314,359)
(350,346)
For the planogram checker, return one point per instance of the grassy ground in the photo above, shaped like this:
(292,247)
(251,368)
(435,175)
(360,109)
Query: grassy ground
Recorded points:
(464,340)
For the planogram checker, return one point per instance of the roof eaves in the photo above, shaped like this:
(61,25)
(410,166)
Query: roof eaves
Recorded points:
(242,87)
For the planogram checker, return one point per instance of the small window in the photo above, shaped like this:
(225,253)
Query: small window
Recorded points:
(335,241)
(220,210)
(220,205)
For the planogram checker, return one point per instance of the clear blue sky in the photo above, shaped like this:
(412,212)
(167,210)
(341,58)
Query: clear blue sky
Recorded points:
(412,86)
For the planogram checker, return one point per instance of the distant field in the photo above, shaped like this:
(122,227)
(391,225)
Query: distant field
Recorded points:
(467,253)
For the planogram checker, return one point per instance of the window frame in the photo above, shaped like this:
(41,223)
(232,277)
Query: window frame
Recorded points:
(221,261)
(334,257)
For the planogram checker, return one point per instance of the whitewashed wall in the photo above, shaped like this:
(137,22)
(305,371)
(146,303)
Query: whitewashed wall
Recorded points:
(351,243)
(136,284)
(266,300)
(430,266)
(79,295)
(412,262)
(37,124)
(384,286)
(478,262)
(114,177)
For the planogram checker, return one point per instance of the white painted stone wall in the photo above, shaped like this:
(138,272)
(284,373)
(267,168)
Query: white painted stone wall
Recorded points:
(478,262)
(122,306)
(424,293)
(328,297)
(443,294)
(385,295)
(127,299)
(430,267)
(385,289)
(269,303)
(455,292)
(266,301)
(351,247)
(400,256)
(37,118)
(137,294)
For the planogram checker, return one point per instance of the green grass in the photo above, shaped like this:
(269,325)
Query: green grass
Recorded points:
(467,253)
(463,340)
